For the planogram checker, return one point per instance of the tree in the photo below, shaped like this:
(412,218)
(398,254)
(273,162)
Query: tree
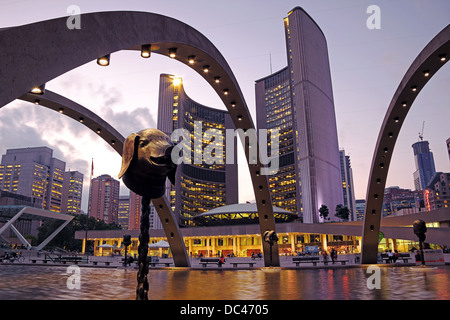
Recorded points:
(342,212)
(324,212)
(66,238)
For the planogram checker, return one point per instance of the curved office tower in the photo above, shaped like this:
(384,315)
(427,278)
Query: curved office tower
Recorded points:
(425,168)
(202,182)
(298,100)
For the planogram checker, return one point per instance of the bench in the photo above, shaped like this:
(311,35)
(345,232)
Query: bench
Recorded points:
(167,264)
(325,262)
(401,256)
(298,260)
(205,261)
(250,264)
(107,263)
(73,259)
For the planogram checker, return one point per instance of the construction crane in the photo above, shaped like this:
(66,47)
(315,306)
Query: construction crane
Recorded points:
(421,133)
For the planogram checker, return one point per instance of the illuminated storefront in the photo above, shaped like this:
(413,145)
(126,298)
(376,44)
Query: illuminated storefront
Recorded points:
(294,237)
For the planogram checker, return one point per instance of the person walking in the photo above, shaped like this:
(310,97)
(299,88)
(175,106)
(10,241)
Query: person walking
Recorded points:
(333,255)
(325,256)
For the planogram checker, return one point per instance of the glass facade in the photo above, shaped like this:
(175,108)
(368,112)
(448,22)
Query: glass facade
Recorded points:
(284,185)
(424,160)
(33,172)
(203,180)
(298,101)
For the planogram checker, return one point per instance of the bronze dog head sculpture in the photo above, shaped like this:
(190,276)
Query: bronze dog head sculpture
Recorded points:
(146,162)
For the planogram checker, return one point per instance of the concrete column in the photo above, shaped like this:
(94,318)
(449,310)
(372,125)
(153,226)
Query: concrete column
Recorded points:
(213,240)
(238,245)
(324,242)
(292,238)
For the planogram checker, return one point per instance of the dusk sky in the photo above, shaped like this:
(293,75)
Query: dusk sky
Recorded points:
(366,67)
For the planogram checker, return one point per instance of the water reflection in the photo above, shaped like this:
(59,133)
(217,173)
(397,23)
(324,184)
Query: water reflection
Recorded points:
(37,282)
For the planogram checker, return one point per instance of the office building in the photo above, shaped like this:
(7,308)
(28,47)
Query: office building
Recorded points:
(298,101)
(72,192)
(129,216)
(33,172)
(425,169)
(437,194)
(104,199)
(347,185)
(201,184)
(360,205)
(396,199)
(124,212)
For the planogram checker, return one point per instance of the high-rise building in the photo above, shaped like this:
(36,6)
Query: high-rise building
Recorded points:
(104,198)
(425,169)
(437,193)
(298,101)
(396,199)
(33,172)
(201,183)
(347,185)
(124,212)
(72,192)
(130,213)
(360,208)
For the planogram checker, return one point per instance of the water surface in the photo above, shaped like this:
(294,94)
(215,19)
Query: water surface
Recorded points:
(50,283)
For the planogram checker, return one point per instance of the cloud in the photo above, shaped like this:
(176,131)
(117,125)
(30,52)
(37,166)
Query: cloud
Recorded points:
(127,122)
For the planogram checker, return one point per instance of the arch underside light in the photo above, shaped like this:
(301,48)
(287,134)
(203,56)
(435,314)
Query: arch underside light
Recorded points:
(435,54)
(33,54)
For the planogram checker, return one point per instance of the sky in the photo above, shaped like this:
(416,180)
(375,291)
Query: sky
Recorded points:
(367,66)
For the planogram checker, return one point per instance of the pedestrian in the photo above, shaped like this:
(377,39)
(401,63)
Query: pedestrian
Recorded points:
(325,256)
(396,255)
(333,255)
(390,256)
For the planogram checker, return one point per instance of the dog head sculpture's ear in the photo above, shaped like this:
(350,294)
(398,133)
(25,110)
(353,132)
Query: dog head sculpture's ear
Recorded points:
(129,150)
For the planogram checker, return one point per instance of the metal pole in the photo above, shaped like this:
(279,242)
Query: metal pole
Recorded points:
(422,256)
(144,238)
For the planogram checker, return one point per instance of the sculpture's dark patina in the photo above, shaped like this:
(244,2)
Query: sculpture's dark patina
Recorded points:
(420,228)
(146,162)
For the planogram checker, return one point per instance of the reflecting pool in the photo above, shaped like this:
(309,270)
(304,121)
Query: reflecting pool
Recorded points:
(55,283)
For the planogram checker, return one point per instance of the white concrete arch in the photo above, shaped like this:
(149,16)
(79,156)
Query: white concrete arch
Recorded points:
(34,54)
(435,54)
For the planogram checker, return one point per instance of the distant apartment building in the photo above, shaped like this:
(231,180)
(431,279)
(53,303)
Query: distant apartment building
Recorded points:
(135,211)
(72,192)
(437,194)
(347,185)
(124,212)
(396,199)
(298,101)
(360,205)
(104,198)
(35,173)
